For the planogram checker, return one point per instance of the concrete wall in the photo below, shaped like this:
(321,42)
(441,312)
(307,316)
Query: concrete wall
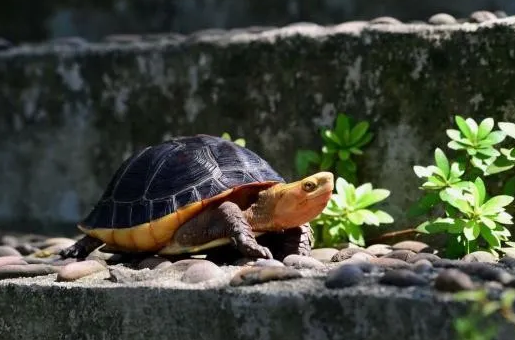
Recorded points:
(284,310)
(70,114)
(23,20)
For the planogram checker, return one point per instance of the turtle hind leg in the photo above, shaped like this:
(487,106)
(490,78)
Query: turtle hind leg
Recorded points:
(296,241)
(82,248)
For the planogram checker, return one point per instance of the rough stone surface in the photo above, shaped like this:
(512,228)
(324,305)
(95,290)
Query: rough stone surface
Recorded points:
(73,113)
(300,309)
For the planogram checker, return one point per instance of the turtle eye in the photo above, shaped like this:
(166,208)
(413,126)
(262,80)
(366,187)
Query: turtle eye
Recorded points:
(308,186)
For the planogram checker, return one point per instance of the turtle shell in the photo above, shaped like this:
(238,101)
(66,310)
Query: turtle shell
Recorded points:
(160,187)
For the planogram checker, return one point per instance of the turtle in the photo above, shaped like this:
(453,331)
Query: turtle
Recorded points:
(192,193)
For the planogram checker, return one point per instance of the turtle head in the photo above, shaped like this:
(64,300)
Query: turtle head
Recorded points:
(299,202)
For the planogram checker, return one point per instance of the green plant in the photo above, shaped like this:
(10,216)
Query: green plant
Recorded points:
(472,219)
(478,323)
(348,209)
(341,144)
(239,141)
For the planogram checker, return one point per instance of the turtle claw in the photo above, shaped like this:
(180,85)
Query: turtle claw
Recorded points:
(256,251)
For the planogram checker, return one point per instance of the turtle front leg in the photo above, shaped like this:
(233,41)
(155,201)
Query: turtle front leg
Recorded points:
(296,241)
(82,248)
(225,221)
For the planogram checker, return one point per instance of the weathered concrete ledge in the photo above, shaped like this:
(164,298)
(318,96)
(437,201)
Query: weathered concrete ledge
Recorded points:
(299,309)
(71,112)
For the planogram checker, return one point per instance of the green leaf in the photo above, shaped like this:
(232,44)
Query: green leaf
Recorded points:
(362,190)
(485,128)
(343,127)
(455,145)
(421,171)
(350,193)
(369,217)
(491,238)
(489,152)
(494,138)
(472,127)
(488,222)
(503,218)
(453,134)
(358,132)
(341,185)
(383,217)
(442,162)
(456,227)
(343,154)
(240,141)
(495,204)
(364,141)
(437,226)
(372,197)
(356,217)
(481,191)
(333,137)
(355,234)
(327,161)
(350,165)
(424,204)
(464,128)
(226,136)
(456,199)
(471,230)
(304,158)
(507,128)
(356,151)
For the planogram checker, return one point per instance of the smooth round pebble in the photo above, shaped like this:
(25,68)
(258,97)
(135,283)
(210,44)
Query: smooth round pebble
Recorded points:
(379,249)
(482,16)
(453,280)
(8,260)
(422,266)
(323,254)
(448,263)
(202,271)
(346,253)
(26,270)
(78,270)
(362,256)
(365,266)
(442,19)
(390,263)
(52,241)
(26,249)
(9,251)
(344,276)
(385,20)
(480,256)
(152,262)
(424,256)
(183,265)
(401,254)
(268,263)
(508,261)
(256,275)
(9,240)
(402,278)
(302,262)
(414,246)
(487,271)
